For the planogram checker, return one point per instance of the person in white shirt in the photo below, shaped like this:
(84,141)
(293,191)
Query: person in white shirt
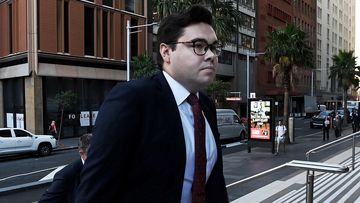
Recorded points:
(326,127)
(280,131)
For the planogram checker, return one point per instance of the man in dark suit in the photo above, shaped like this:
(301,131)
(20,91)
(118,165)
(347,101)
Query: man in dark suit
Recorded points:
(65,182)
(147,145)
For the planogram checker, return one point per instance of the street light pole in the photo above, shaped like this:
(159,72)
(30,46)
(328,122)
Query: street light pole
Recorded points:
(128,28)
(248,78)
(248,71)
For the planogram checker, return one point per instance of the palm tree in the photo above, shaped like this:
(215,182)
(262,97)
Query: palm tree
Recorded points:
(288,49)
(226,18)
(344,69)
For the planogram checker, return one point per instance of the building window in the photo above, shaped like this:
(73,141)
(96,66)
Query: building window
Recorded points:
(62,20)
(66,27)
(134,39)
(248,21)
(247,41)
(319,44)
(89,31)
(225,57)
(10,29)
(319,11)
(108,3)
(14,102)
(105,34)
(134,6)
(319,27)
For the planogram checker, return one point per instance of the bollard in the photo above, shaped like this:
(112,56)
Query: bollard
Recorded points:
(291,129)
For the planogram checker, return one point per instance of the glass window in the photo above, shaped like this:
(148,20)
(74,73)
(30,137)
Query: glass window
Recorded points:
(5,133)
(10,28)
(105,34)
(134,39)
(21,133)
(108,3)
(247,41)
(13,95)
(135,6)
(89,31)
(225,57)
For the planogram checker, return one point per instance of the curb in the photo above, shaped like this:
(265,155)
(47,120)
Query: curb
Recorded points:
(65,148)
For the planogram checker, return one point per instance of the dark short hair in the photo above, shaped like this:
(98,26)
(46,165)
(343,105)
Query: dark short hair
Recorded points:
(84,141)
(172,27)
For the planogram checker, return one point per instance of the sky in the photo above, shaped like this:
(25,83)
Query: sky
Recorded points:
(357,31)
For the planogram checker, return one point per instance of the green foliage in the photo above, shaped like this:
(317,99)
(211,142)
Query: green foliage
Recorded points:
(218,88)
(344,69)
(288,49)
(226,18)
(66,99)
(144,66)
(290,42)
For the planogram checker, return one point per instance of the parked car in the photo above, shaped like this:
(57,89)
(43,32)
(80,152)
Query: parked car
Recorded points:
(318,120)
(16,141)
(229,124)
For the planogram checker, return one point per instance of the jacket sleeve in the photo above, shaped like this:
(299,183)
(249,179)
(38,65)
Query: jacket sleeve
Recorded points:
(104,175)
(57,191)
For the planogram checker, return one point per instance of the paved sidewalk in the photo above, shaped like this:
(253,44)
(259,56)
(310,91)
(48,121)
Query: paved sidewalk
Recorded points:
(67,143)
(242,164)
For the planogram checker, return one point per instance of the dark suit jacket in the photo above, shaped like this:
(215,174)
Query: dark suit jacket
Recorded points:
(138,153)
(64,185)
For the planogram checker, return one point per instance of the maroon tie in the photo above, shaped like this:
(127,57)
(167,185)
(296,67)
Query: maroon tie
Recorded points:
(198,185)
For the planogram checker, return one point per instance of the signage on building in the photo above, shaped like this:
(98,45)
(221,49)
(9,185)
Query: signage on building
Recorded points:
(85,117)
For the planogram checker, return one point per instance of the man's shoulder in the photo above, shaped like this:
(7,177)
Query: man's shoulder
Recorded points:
(71,170)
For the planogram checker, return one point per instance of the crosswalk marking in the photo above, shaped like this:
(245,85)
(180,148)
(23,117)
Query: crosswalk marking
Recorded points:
(328,187)
(51,175)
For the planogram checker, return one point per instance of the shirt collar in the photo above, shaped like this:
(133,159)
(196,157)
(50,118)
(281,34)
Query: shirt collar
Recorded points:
(179,91)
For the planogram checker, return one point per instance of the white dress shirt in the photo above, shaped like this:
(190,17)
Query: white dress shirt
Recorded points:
(180,94)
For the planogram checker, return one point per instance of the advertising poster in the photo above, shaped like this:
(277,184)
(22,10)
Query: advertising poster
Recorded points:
(20,120)
(260,119)
(9,120)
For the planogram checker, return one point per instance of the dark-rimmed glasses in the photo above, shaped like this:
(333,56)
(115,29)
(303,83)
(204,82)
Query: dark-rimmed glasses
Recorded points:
(200,47)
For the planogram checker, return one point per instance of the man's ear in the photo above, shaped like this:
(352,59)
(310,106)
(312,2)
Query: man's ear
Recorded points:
(165,52)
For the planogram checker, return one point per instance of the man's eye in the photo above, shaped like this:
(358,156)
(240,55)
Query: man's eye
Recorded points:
(199,45)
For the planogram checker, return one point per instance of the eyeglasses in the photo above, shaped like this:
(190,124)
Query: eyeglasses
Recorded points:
(200,47)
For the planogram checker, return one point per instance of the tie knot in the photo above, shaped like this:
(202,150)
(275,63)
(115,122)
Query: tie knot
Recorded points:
(192,99)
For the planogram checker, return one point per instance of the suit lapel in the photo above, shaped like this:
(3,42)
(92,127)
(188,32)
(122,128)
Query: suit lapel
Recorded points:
(168,106)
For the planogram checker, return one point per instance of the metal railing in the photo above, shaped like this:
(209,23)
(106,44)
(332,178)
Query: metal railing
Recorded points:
(334,143)
(306,165)
(311,167)
(310,174)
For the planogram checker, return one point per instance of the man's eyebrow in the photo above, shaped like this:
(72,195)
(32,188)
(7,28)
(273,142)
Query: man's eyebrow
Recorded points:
(204,40)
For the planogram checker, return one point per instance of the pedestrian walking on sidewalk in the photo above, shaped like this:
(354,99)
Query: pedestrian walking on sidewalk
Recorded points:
(356,120)
(280,131)
(326,127)
(337,126)
(53,130)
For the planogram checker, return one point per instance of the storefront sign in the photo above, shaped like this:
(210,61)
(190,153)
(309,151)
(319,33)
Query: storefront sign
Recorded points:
(85,118)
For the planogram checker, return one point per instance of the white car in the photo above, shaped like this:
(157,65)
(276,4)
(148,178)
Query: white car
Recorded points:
(16,140)
(230,125)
